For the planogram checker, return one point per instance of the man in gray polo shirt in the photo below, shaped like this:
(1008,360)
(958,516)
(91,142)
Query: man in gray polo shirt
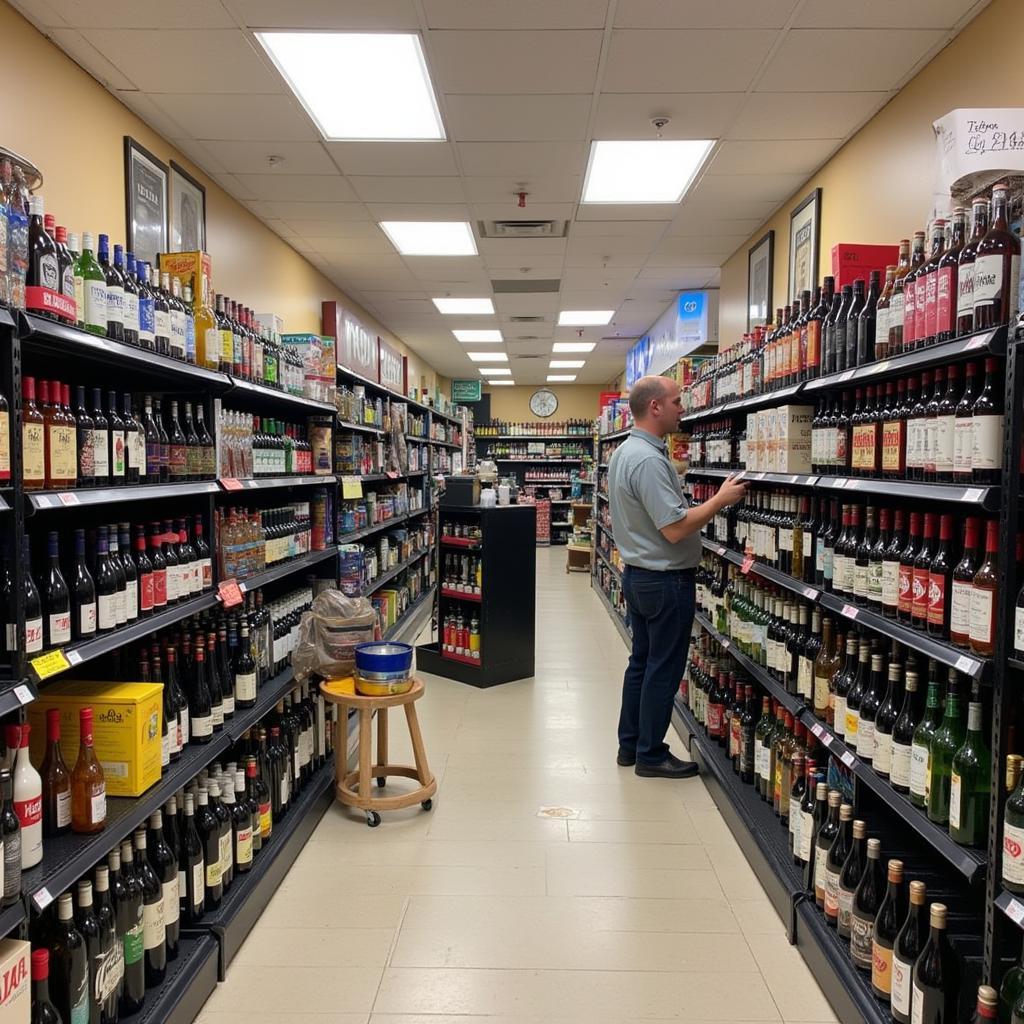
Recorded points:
(658,536)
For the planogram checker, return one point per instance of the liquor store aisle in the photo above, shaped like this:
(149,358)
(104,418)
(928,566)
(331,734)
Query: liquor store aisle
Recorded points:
(639,907)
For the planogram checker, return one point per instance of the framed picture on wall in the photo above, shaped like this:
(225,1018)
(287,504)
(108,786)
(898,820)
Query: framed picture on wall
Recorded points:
(804,238)
(760,266)
(145,193)
(188,212)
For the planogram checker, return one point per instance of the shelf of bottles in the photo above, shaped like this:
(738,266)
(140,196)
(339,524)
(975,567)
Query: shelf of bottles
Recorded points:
(607,564)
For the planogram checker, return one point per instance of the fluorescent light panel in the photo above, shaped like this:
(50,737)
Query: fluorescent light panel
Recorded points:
(488,357)
(359,85)
(430,237)
(478,336)
(564,377)
(647,171)
(500,383)
(574,346)
(584,317)
(495,371)
(566,364)
(465,307)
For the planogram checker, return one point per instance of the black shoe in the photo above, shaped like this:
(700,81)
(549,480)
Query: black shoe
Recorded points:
(625,760)
(670,768)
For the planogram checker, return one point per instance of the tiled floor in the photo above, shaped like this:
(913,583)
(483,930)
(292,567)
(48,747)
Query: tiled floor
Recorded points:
(639,908)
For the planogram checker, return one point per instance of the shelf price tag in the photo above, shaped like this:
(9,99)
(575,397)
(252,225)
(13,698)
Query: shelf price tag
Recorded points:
(826,739)
(973,494)
(847,759)
(748,563)
(24,694)
(50,664)
(351,487)
(230,593)
(391,474)
(1015,911)
(42,898)
(810,593)
(230,483)
(817,730)
(965,664)
(979,342)
(68,498)
(725,643)
(849,611)
(75,657)
(841,482)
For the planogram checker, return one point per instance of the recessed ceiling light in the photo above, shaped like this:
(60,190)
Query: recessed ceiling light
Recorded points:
(501,383)
(467,307)
(566,364)
(430,237)
(561,377)
(585,317)
(495,371)
(338,77)
(646,171)
(479,336)
(573,346)
(488,357)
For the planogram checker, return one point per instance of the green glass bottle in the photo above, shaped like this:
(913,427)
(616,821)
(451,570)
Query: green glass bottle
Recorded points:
(1013,828)
(90,290)
(969,784)
(948,739)
(922,741)
(1011,990)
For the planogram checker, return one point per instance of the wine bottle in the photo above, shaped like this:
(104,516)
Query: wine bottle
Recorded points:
(1013,835)
(69,965)
(191,861)
(88,784)
(867,900)
(903,736)
(242,826)
(200,708)
(88,926)
(936,987)
(56,599)
(997,268)
(28,796)
(945,743)
(869,708)
(208,828)
(108,971)
(984,590)
(969,784)
(885,722)
(920,751)
(227,862)
(56,781)
(43,1011)
(834,861)
(891,915)
(907,948)
(130,926)
(10,831)
(850,877)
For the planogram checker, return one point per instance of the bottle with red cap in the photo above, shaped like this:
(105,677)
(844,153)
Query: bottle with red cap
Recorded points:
(43,1011)
(940,574)
(904,607)
(56,778)
(919,580)
(984,589)
(960,587)
(88,784)
(28,797)
(987,428)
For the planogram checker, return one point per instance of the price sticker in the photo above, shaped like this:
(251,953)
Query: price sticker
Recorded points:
(719,550)
(50,664)
(230,593)
(725,643)
(848,759)
(24,694)
(976,342)
(41,501)
(817,730)
(391,474)
(747,565)
(849,611)
(965,664)
(841,482)
(882,366)
(847,375)
(351,487)
(793,478)
(68,498)
(42,898)
(810,593)
(973,494)
(230,483)
(75,657)
(1015,911)
(826,740)
(757,476)
(812,480)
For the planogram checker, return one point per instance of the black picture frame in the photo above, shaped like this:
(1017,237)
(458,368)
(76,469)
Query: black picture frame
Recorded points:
(145,202)
(186,223)
(760,270)
(804,244)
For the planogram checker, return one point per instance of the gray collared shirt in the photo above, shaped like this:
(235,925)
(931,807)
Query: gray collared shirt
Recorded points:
(645,495)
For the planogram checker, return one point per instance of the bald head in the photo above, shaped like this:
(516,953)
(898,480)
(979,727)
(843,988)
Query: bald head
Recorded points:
(647,390)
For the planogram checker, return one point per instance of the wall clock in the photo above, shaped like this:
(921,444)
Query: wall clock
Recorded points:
(543,402)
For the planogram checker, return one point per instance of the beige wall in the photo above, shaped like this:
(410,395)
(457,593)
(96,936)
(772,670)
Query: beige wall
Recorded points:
(59,117)
(877,188)
(575,402)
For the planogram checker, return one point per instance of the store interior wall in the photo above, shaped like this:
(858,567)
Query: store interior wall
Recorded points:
(575,401)
(877,188)
(66,123)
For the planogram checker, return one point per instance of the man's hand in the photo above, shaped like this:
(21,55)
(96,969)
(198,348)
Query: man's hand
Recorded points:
(732,491)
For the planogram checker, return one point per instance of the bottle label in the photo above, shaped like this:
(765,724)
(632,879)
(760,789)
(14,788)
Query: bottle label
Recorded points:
(1013,853)
(862,933)
(845,900)
(866,739)
(987,442)
(162,324)
(226,855)
(137,454)
(820,692)
(963,445)
(202,725)
(178,461)
(117,453)
(881,968)
(906,597)
(106,610)
(902,972)
(805,676)
(115,304)
(919,770)
(96,304)
(982,629)
(806,833)
(60,628)
(133,947)
(198,886)
(154,930)
(955,784)
(131,600)
(875,582)
(820,881)
(101,452)
(218,714)
(213,873)
(896,312)
(943,450)
(917,1005)
(909,311)
(919,594)
(32,446)
(882,760)
(245,686)
(159,588)
(794,823)
(936,598)
(965,291)
(165,748)
(852,732)
(860,581)
(98,806)
(12,865)
(831,893)
(988,279)
(80,1007)
(839,713)
(108,972)
(131,312)
(926,324)
(1018,630)
(147,318)
(244,845)
(266,821)
(899,769)
(171,582)
(34,635)
(945,319)
(64,808)
(862,446)
(890,583)
(207,567)
(960,608)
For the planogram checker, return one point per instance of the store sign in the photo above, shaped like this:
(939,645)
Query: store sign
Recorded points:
(677,332)
(973,144)
(466,390)
(638,360)
(355,345)
(392,367)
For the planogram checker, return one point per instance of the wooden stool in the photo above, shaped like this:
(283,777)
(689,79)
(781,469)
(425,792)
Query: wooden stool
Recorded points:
(353,789)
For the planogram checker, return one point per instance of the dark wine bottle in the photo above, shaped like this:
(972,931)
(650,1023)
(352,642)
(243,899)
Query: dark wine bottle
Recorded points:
(43,1010)
(165,866)
(130,923)
(891,915)
(109,970)
(936,974)
(192,861)
(241,826)
(850,876)
(208,828)
(907,948)
(870,893)
(88,926)
(69,965)
(227,861)
(838,851)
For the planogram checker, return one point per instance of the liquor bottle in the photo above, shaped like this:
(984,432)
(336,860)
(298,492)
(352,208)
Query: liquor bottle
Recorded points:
(963,430)
(88,926)
(161,314)
(965,266)
(159,567)
(69,965)
(868,899)
(911,295)
(108,970)
(960,587)
(28,796)
(164,867)
(10,833)
(100,442)
(927,292)
(920,575)
(891,559)
(213,682)
(208,828)
(258,798)
(33,439)
(56,781)
(86,468)
(810,827)
(131,923)
(91,282)
(869,708)
(245,672)
(242,826)
(823,671)
(850,876)
(984,589)
(154,928)
(936,986)
(43,1011)
(842,683)
(200,708)
(194,892)
(987,427)
(33,605)
(943,429)
(43,281)
(890,917)
(56,599)
(1013,839)
(125,264)
(940,576)
(987,1007)
(223,835)
(88,785)
(106,585)
(885,722)
(997,268)
(855,697)
(969,784)
(946,741)
(907,948)
(867,322)
(134,445)
(903,736)
(834,861)
(947,289)
(116,456)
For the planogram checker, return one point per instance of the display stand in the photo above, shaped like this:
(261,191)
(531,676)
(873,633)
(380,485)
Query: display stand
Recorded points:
(503,603)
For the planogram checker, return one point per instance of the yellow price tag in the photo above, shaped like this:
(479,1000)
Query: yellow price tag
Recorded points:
(50,664)
(351,487)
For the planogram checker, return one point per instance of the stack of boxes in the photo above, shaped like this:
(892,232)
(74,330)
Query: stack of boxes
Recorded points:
(317,356)
(779,440)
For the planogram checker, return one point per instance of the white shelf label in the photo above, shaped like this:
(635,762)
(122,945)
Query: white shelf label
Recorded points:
(42,899)
(847,759)
(882,366)
(817,730)
(810,593)
(23,693)
(976,342)
(1015,911)
(973,494)
(965,664)
(826,740)
(67,498)
(75,657)
(849,611)
(725,643)
(842,482)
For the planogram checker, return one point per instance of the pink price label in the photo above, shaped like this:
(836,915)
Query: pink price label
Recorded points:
(748,564)
(849,611)
(67,498)
(230,483)
(1015,911)
(230,593)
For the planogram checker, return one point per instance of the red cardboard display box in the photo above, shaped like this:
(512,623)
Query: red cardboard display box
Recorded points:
(851,261)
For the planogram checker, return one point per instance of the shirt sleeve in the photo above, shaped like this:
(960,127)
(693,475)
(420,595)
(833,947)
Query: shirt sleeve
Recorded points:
(657,489)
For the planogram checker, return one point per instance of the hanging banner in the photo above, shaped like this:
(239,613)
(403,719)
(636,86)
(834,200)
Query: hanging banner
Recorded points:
(391,367)
(356,347)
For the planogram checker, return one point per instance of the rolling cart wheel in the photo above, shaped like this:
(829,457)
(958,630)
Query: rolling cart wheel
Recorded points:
(372,819)
(427,804)
(381,781)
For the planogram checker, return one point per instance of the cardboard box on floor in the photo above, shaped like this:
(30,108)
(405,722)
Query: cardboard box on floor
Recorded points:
(126,729)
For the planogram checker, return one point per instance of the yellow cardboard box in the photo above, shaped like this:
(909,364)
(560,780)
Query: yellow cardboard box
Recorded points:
(126,729)
(15,984)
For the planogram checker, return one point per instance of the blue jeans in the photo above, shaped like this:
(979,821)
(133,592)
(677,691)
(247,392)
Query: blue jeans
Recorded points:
(661,607)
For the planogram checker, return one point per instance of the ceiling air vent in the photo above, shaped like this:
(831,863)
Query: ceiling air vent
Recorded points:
(527,319)
(523,228)
(526,285)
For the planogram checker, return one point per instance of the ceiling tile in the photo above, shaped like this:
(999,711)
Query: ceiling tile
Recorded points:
(649,229)
(40,13)
(142,104)
(299,187)
(494,14)
(254,157)
(716,204)
(314,229)
(445,268)
(906,14)
(669,276)
(716,61)
(522,160)
(482,62)
(693,222)
(546,189)
(217,60)
(350,246)
(395,158)
(884,59)
(598,261)
(202,157)
(693,115)
(700,14)
(326,14)
(327,212)
(747,187)
(627,211)
(104,69)
(528,304)
(613,247)
(419,189)
(532,211)
(810,115)
(234,187)
(191,14)
(543,268)
(418,211)
(795,156)
(272,116)
(682,245)
(517,118)
(617,278)
(715,256)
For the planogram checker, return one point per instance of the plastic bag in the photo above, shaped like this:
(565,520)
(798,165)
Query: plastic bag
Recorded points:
(328,634)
